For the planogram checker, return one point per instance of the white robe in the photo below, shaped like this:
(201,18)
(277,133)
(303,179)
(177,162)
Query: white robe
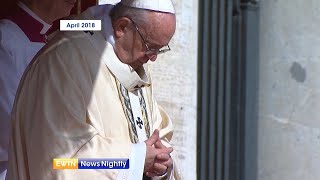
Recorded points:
(17,49)
(68,106)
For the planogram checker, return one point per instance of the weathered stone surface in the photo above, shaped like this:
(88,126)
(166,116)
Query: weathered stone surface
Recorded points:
(289,96)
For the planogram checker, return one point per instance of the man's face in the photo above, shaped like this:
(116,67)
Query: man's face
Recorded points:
(147,40)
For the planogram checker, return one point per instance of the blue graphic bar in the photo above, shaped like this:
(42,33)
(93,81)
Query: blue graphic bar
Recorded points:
(99,163)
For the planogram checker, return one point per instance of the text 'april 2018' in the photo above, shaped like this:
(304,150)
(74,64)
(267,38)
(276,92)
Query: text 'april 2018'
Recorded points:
(80,25)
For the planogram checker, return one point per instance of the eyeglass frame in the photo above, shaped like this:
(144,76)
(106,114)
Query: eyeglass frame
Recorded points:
(149,50)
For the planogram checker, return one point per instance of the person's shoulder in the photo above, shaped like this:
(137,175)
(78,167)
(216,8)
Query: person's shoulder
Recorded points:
(11,34)
(65,48)
(6,24)
(7,27)
(66,42)
(65,56)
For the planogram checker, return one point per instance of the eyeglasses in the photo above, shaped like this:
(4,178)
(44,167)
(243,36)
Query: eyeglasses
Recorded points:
(151,51)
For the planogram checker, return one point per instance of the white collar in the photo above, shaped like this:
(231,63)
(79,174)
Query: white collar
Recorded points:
(128,77)
(46,26)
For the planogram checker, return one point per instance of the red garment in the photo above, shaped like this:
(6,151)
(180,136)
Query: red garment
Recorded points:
(32,29)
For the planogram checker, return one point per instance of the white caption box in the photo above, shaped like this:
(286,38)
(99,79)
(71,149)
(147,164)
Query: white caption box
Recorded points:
(80,25)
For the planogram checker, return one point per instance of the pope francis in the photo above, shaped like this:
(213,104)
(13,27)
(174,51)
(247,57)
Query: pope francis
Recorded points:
(89,95)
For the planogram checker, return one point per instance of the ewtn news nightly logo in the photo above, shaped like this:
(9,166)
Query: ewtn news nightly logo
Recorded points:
(92,163)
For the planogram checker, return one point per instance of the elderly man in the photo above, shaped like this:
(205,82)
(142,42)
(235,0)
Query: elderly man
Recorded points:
(88,95)
(22,35)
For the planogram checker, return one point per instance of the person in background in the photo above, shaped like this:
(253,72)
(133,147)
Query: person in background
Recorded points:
(88,94)
(23,33)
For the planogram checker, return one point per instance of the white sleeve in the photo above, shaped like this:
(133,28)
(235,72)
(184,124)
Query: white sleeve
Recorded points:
(8,87)
(136,163)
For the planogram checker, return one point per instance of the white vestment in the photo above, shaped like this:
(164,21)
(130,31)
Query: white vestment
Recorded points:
(70,105)
(20,40)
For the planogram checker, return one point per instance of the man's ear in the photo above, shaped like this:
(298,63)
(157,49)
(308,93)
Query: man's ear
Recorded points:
(120,26)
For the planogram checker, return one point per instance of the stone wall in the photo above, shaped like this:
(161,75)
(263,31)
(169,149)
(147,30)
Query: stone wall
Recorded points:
(175,83)
(289,95)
